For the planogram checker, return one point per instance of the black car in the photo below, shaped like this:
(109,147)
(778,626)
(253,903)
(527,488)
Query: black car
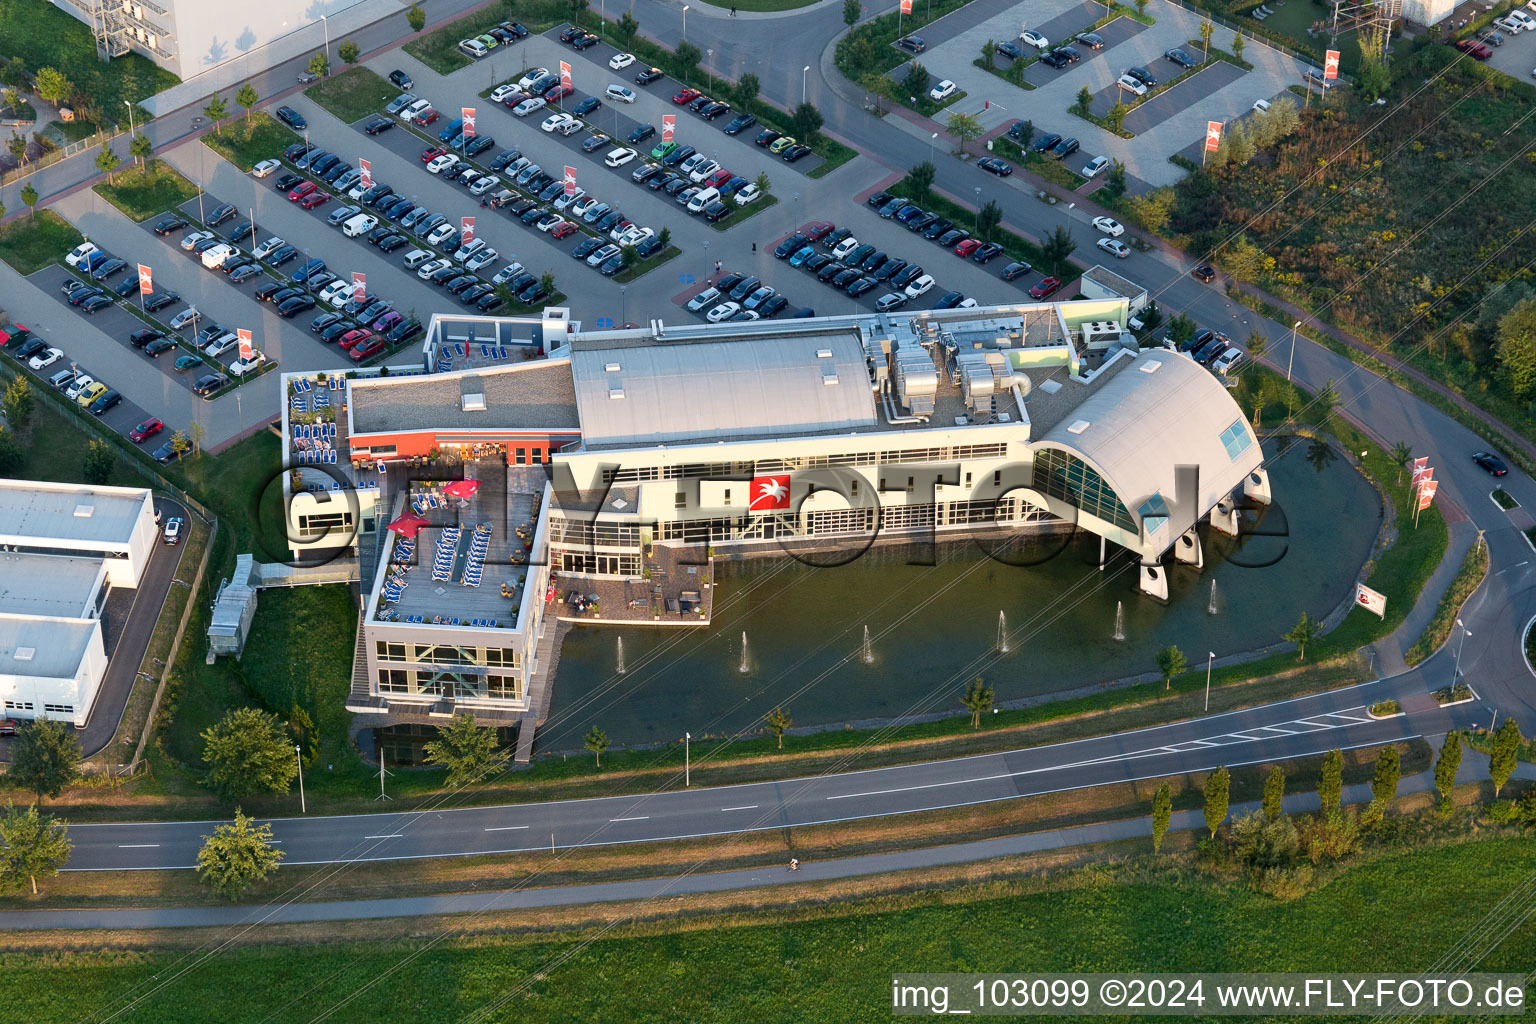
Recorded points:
(767,137)
(836,236)
(295,306)
(337,329)
(879,199)
(474,293)
(1045,142)
(108,269)
(325,320)
(159,300)
(799,151)
(401,79)
(646,173)
(949,300)
(994,165)
(642,133)
(921,221)
(521,207)
(535,292)
(208,384)
(678,155)
(264,292)
(379,233)
(479,145)
(746,286)
(987,251)
(379,124)
(168,224)
(950,239)
(168,453)
(716,212)
(221,214)
(612,265)
(831,270)
(1064,149)
(392,243)
(649,75)
(292,118)
(939,227)
(890,268)
(584,42)
(1205,273)
(872,262)
(1180,57)
(912,44)
(791,245)
(405,330)
(1010,50)
(505,157)
(714,110)
(106,400)
(586,248)
(845,277)
(1054,59)
(488,302)
(699,103)
(894,207)
(296,150)
(514,29)
(1143,76)
(244,272)
(325,163)
(1015,270)
(30,348)
(1092,40)
(587,105)
(860,286)
(287,181)
(242,230)
(740,123)
(1490,462)
(906,276)
(463,281)
(143,336)
(127,286)
(651,246)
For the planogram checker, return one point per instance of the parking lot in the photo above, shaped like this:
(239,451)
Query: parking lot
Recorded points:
(1516,56)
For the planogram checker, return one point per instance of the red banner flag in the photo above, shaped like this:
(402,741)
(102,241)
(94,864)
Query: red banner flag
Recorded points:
(365,173)
(570,180)
(468,116)
(1419,466)
(146,280)
(1212,135)
(1331,65)
(1427,493)
(467,229)
(246,349)
(565,74)
(668,127)
(359,286)
(906,6)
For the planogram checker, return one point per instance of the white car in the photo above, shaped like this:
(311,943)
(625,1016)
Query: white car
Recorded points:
(562,200)
(528,106)
(724,311)
(1526,21)
(410,111)
(356,191)
(619,157)
(1095,167)
(79,253)
(1115,248)
(1260,105)
(844,247)
(484,185)
(920,286)
(621,61)
(1109,226)
(439,163)
(571,127)
(431,267)
(1134,85)
(507,273)
(47,357)
(266,167)
(1509,25)
(440,234)
(484,258)
(634,235)
(748,194)
(554,121)
(618,92)
(268,247)
(502,92)
(468,249)
(548,224)
(602,254)
(702,171)
(241,367)
(185,318)
(190,242)
(687,166)
(704,298)
(77,388)
(533,75)
(943,91)
(1034,39)
(582,204)
(218,346)
(337,293)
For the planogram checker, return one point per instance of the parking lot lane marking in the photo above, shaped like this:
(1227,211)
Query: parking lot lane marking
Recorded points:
(505,828)
(743,807)
(138,846)
(642,817)
(397,835)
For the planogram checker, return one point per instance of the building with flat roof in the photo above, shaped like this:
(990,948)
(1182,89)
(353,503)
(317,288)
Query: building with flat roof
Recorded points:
(116,524)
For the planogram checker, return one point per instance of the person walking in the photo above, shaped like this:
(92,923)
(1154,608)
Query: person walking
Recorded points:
(733,12)
(717,266)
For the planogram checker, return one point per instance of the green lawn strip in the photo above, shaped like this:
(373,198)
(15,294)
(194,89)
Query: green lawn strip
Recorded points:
(1158,90)
(1048,167)
(929,108)
(73,131)
(247,141)
(1006,75)
(1102,122)
(1014,246)
(1474,567)
(353,94)
(1481,740)
(439,49)
(142,193)
(31,243)
(829,955)
(741,213)
(1217,53)
(1504,499)
(647,265)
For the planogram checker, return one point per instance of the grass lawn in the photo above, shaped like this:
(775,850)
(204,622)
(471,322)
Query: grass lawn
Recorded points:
(353,94)
(816,962)
(72,131)
(29,244)
(646,266)
(142,194)
(928,108)
(1290,23)
(53,442)
(246,141)
(1474,569)
(741,213)
(45,36)
(439,49)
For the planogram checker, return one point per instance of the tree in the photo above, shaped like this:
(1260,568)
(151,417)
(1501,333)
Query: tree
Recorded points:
(1258,343)
(1153,209)
(108,161)
(1114,181)
(762,182)
(320,65)
(1447,764)
(1058,245)
(747,88)
(1303,633)
(45,758)
(1181,329)
(1516,348)
(1162,814)
(1330,784)
(51,86)
(1262,842)
(578,8)
(416,18)
(247,98)
(851,11)
(1372,79)
(11,455)
(32,846)
(1141,8)
(217,110)
(1237,45)
(596,741)
(806,122)
(15,74)
(466,750)
(1170,663)
(547,282)
(1207,29)
(1326,401)
(18,402)
(631,255)
(1400,455)
(664,237)
(196,433)
(247,753)
(687,56)
(988,219)
(915,81)
(237,856)
(16,145)
(989,53)
(920,180)
(1389,769)
(1025,133)
(1116,116)
(778,723)
(629,28)
(141,149)
(180,443)
(1506,749)
(977,699)
(1084,101)
(349,51)
(1218,787)
(1242,259)
(1274,791)
(99,460)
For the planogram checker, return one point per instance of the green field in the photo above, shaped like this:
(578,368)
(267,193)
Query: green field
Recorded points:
(245,142)
(31,243)
(821,964)
(142,194)
(439,49)
(353,94)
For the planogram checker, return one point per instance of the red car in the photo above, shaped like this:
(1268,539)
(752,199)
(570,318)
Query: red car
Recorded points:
(146,430)
(819,230)
(1046,287)
(301,190)
(967,247)
(354,338)
(717,179)
(555,93)
(315,199)
(373,346)
(686,96)
(1478,50)
(425,118)
(563,230)
(428,155)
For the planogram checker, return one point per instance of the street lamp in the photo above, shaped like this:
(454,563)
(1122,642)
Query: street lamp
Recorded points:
(1292,360)
(978,208)
(327,26)
(1465,632)
(933,153)
(687,759)
(1209,660)
(624,301)
(129,105)
(298,757)
(685,21)
(802,82)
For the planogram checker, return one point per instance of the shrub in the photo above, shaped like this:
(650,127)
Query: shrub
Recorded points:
(1330,837)
(1284,883)
(1503,812)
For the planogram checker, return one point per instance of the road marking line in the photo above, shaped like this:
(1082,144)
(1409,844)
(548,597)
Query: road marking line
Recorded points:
(397,835)
(506,828)
(138,846)
(642,817)
(743,807)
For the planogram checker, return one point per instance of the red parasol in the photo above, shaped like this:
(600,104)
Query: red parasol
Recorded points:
(462,489)
(409,526)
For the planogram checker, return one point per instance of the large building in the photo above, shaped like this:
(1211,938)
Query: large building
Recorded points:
(63,548)
(527,469)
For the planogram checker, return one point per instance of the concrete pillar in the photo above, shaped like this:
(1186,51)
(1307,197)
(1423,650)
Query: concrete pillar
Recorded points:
(1256,487)
(1224,517)
(1154,581)
(1103,552)
(1187,549)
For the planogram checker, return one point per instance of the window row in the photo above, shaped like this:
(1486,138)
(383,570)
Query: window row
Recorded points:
(446,654)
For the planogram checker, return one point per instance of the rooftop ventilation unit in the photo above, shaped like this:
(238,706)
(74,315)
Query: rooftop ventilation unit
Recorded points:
(84,511)
(25,653)
(472,402)
(917,381)
(823,353)
(828,379)
(612,367)
(1078,426)
(1151,366)
(615,393)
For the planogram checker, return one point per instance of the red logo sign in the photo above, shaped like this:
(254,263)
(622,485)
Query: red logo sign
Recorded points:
(1331,65)
(1212,134)
(467,229)
(146,280)
(570,180)
(769,493)
(468,115)
(359,286)
(906,6)
(365,173)
(565,74)
(246,350)
(668,126)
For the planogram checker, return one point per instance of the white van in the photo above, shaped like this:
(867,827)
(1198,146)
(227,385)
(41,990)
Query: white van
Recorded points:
(474,47)
(214,258)
(415,108)
(358,225)
(704,197)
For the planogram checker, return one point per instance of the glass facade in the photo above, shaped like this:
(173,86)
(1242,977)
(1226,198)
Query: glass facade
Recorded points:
(1236,439)
(1064,476)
